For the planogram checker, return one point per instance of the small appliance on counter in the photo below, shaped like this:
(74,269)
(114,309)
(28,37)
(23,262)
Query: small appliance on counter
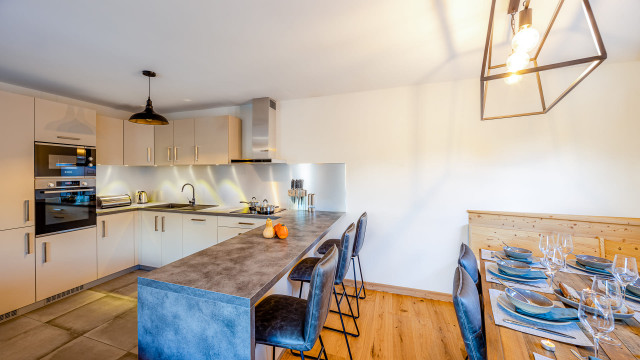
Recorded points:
(142,197)
(112,201)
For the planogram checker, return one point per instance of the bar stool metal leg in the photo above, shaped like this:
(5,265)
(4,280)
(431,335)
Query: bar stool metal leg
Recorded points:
(323,351)
(344,329)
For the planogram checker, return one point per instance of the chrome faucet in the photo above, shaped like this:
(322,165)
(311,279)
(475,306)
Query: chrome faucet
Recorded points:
(192,202)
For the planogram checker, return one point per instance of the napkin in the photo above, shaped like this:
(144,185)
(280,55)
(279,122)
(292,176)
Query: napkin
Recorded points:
(525,260)
(556,314)
(534,274)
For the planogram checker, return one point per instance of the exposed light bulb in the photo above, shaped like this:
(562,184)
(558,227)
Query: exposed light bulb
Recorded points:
(525,40)
(512,79)
(517,61)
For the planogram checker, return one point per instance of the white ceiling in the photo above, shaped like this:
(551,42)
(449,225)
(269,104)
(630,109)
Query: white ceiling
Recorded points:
(213,53)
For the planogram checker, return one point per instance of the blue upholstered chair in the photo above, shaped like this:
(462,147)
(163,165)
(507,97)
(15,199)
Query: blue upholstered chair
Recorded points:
(302,273)
(466,303)
(361,229)
(468,261)
(294,323)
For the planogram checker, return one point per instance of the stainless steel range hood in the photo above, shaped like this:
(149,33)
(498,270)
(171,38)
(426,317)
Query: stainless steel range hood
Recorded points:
(263,132)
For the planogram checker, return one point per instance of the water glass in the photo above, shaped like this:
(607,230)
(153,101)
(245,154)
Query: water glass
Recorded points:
(625,270)
(599,320)
(553,261)
(565,241)
(610,289)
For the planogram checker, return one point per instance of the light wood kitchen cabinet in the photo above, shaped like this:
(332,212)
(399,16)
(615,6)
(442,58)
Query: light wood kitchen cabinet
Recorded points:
(183,142)
(138,144)
(16,116)
(116,243)
(171,229)
(230,226)
(217,140)
(198,232)
(17,268)
(150,239)
(160,238)
(66,124)
(64,261)
(163,140)
(109,141)
(226,233)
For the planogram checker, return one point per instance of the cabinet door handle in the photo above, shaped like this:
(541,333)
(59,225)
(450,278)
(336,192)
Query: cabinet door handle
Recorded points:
(148,154)
(163,224)
(105,230)
(245,223)
(28,239)
(175,153)
(168,153)
(198,219)
(46,252)
(156,223)
(196,152)
(68,138)
(27,216)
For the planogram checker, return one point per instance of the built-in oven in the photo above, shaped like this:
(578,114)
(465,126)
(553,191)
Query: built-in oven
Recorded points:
(64,205)
(56,160)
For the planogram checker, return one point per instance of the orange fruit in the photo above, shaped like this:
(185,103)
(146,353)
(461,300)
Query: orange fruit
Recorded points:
(282,232)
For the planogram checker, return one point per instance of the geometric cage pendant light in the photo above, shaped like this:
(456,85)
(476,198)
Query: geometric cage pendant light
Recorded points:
(516,65)
(148,116)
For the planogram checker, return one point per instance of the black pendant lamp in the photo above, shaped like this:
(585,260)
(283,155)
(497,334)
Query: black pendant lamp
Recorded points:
(148,116)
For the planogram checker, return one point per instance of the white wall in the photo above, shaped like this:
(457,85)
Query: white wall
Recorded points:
(418,157)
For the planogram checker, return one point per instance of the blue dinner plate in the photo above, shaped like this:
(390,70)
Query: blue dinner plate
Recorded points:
(576,265)
(493,269)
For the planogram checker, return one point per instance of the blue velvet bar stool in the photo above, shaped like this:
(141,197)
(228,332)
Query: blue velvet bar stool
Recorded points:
(302,273)
(466,303)
(361,229)
(468,261)
(294,323)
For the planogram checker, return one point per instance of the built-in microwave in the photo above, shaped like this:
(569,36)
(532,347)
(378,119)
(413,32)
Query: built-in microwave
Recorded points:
(56,160)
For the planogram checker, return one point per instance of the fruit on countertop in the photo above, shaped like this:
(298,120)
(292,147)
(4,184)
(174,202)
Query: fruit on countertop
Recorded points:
(282,231)
(268,232)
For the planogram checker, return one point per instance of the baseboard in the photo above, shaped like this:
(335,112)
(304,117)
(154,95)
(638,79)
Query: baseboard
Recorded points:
(425,294)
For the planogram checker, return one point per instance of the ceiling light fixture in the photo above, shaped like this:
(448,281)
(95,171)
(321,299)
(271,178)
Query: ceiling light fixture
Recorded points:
(148,116)
(525,40)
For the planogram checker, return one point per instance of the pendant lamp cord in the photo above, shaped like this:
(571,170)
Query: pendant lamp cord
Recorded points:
(149,87)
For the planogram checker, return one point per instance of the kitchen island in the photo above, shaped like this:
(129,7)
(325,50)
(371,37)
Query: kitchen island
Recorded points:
(202,306)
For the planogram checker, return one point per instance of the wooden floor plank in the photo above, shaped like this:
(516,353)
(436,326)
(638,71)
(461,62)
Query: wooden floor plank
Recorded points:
(396,327)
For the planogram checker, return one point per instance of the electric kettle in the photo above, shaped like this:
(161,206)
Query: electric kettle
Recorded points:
(142,197)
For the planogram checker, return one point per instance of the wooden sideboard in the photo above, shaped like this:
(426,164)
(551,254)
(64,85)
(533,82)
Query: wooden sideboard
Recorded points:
(594,235)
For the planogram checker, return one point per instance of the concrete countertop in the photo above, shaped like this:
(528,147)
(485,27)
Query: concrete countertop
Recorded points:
(241,270)
(213,211)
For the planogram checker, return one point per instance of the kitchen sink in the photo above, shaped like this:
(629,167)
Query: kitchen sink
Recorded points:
(176,206)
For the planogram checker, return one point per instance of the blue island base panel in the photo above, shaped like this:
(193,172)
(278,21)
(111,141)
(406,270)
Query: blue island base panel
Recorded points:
(175,326)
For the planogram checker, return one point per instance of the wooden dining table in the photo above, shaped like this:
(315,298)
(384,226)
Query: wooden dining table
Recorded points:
(505,343)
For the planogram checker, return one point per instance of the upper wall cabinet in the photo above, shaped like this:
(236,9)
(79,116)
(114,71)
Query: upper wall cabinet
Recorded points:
(138,144)
(164,143)
(61,123)
(109,141)
(217,140)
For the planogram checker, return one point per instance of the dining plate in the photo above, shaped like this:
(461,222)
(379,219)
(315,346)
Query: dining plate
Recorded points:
(559,295)
(576,265)
(493,269)
(507,306)
(631,296)
(594,261)
(634,289)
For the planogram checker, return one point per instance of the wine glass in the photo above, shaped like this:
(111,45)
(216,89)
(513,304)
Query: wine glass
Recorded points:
(625,270)
(566,243)
(546,241)
(599,320)
(553,261)
(609,288)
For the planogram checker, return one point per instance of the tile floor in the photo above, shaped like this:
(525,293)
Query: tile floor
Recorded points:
(99,323)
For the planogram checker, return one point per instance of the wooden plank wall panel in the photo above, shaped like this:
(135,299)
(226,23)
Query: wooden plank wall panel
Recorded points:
(600,236)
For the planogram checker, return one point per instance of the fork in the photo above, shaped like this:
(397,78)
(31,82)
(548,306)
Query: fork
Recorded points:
(576,354)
